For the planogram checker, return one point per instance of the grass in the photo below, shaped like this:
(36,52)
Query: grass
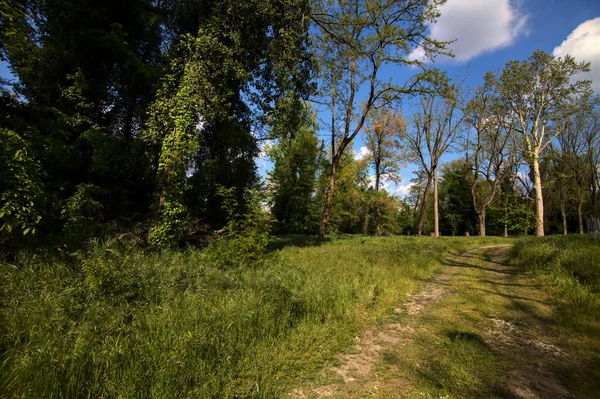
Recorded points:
(570,268)
(114,321)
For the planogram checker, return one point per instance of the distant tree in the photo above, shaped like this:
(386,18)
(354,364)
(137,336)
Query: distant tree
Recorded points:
(384,133)
(435,128)
(459,215)
(491,150)
(293,178)
(539,92)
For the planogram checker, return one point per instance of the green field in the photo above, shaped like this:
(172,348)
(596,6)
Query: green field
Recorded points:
(114,321)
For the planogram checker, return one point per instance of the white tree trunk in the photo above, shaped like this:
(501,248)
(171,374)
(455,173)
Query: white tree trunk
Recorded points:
(436,215)
(539,199)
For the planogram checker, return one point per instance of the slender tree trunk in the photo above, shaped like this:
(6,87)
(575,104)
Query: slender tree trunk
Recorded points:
(423,209)
(436,215)
(376,207)
(328,200)
(539,199)
(580,213)
(593,197)
(482,215)
(563,209)
(505,230)
(366,221)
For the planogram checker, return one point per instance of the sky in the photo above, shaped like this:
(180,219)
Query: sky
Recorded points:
(489,33)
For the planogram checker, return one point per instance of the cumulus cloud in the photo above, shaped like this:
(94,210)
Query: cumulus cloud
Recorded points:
(361,153)
(478,26)
(584,44)
(403,189)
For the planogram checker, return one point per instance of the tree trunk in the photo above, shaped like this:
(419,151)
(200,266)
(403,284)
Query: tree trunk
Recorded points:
(436,215)
(376,207)
(563,209)
(328,200)
(482,222)
(422,211)
(580,213)
(539,199)
(505,230)
(366,222)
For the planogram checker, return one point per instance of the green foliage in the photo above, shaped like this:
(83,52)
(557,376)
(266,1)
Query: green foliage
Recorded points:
(83,213)
(20,187)
(246,232)
(456,204)
(292,181)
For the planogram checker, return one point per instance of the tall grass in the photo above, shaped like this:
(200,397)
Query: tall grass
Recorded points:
(114,321)
(571,267)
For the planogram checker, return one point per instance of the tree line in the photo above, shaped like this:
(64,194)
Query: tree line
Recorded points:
(131,116)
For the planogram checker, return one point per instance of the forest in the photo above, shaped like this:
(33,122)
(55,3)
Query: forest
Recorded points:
(147,251)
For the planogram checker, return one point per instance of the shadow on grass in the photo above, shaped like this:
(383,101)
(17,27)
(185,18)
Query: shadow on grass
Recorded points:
(297,241)
(466,336)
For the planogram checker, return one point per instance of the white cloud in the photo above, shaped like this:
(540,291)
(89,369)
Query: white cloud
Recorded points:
(402,189)
(478,26)
(361,153)
(584,44)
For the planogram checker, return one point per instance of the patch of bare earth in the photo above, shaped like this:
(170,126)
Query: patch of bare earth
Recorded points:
(356,367)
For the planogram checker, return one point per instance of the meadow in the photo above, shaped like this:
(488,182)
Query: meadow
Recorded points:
(113,320)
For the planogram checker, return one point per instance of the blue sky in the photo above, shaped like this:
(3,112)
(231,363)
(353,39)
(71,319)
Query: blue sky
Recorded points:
(489,33)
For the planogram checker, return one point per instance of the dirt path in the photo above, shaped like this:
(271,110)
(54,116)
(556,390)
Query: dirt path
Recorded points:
(481,329)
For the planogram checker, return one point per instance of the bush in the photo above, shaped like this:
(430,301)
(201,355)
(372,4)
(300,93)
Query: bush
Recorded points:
(246,234)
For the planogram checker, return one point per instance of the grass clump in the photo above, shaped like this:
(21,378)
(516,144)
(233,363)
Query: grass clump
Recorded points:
(571,267)
(116,321)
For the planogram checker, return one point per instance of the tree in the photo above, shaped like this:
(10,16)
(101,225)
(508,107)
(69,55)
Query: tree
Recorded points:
(86,73)
(383,134)
(356,39)
(435,128)
(292,180)
(538,92)
(590,124)
(493,134)
(459,215)
(232,55)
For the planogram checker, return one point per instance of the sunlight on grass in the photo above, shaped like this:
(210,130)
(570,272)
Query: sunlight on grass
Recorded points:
(115,321)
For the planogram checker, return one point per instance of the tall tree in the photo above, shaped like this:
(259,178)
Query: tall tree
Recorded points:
(538,92)
(356,39)
(236,53)
(384,132)
(436,127)
(491,153)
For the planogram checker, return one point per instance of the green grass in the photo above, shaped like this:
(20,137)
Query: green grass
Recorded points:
(115,321)
(570,266)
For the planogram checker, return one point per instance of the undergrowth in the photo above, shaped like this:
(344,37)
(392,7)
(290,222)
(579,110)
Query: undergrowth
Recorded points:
(116,321)
(571,267)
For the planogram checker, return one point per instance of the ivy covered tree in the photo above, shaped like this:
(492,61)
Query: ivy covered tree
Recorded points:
(232,54)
